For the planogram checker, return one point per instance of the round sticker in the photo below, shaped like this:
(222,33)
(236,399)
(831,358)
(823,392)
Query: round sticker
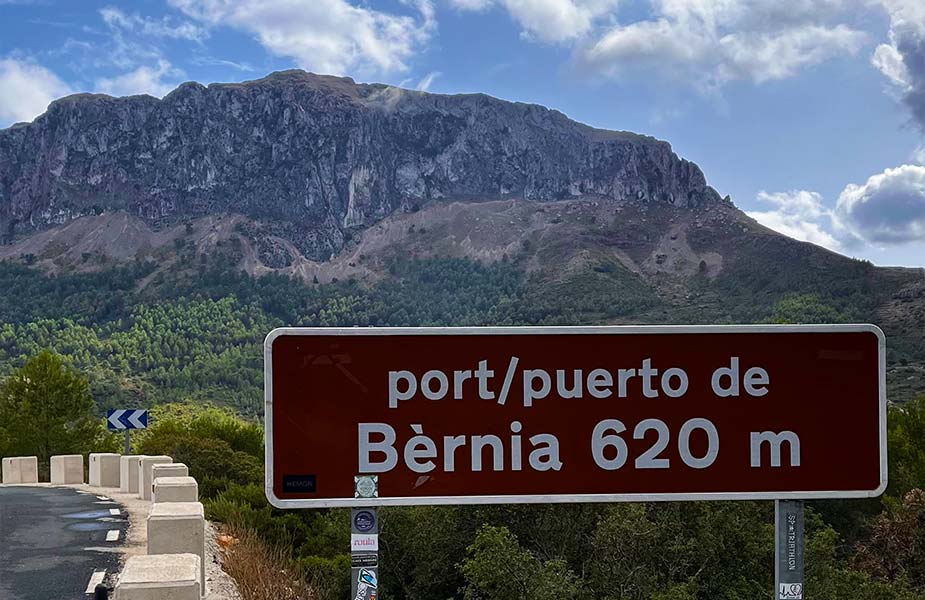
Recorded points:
(366,486)
(364,521)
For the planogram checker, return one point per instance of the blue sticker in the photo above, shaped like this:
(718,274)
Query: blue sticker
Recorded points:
(368,577)
(364,521)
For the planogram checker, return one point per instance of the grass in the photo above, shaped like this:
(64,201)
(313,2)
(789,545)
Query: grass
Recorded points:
(260,570)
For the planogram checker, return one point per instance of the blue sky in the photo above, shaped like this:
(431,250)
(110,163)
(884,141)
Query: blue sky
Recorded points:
(809,113)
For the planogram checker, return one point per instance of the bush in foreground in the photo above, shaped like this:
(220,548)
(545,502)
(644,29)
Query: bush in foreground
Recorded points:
(262,570)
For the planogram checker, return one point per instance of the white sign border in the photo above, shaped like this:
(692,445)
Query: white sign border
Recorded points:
(565,498)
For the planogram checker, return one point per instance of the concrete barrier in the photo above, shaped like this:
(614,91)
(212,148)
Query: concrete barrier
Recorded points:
(175,489)
(67,468)
(145,474)
(178,528)
(20,469)
(104,470)
(160,577)
(128,473)
(169,470)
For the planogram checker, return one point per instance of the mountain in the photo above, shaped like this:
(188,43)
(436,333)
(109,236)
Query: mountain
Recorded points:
(156,241)
(315,156)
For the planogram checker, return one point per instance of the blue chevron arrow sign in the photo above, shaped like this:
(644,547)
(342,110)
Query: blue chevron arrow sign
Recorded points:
(127,419)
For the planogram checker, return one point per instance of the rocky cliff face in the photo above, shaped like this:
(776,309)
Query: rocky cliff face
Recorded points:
(315,157)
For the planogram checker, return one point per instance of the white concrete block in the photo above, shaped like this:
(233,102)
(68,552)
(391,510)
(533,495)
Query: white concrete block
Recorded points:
(9,470)
(160,577)
(128,473)
(20,469)
(169,470)
(29,469)
(175,489)
(104,470)
(177,528)
(145,479)
(67,468)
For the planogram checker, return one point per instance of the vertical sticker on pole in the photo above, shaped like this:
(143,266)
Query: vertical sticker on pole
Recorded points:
(789,549)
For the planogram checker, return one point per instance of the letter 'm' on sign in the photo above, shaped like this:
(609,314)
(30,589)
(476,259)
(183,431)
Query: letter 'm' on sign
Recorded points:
(775,443)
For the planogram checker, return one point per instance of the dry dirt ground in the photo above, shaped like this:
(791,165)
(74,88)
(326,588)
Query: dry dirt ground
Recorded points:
(484,231)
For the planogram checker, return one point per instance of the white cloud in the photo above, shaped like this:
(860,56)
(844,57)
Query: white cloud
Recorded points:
(557,20)
(26,89)
(548,20)
(905,15)
(647,46)
(902,61)
(706,43)
(163,27)
(156,81)
(213,61)
(331,36)
(799,214)
(127,48)
(888,209)
(779,55)
(475,5)
(425,83)
(889,61)
(711,42)
(918,156)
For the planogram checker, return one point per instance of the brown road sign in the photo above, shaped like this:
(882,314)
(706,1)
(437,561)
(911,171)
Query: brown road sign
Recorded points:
(574,414)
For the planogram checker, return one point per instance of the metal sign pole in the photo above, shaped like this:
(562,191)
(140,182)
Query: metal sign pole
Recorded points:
(788,550)
(128,442)
(364,553)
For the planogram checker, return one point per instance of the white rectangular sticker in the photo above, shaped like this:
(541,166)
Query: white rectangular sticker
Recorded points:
(364,541)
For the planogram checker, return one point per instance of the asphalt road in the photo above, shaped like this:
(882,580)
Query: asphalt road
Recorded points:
(53,540)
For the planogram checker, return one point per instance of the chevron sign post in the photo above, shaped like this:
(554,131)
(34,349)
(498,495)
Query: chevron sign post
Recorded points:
(122,419)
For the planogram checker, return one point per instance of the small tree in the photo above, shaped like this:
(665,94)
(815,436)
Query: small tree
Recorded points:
(497,567)
(896,550)
(46,409)
(905,436)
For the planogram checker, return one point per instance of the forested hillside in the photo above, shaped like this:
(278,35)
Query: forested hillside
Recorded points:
(195,332)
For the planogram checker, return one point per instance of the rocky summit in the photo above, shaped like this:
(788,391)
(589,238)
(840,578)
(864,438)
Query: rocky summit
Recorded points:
(314,157)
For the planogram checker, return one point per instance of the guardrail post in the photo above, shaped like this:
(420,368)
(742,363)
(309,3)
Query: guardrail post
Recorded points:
(178,527)
(145,474)
(20,469)
(104,469)
(175,489)
(67,469)
(174,576)
(128,473)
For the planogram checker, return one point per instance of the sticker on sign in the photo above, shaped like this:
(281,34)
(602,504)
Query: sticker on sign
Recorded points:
(364,542)
(575,414)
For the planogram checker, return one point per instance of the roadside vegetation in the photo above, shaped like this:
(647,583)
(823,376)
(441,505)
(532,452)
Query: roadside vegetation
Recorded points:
(262,570)
(864,550)
(75,345)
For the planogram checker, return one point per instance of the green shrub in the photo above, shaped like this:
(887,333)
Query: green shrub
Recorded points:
(218,447)
(329,577)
